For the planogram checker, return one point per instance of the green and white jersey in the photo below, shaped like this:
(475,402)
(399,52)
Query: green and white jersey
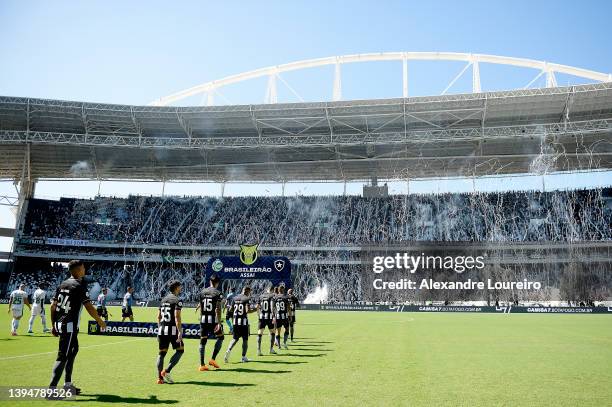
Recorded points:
(18,298)
(38,298)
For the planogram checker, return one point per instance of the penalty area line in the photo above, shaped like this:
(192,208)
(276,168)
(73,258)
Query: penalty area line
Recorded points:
(80,348)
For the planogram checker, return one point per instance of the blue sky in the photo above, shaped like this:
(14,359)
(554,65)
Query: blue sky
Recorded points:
(135,52)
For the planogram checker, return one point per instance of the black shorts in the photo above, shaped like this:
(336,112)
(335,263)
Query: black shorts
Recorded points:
(282,323)
(102,311)
(126,312)
(208,331)
(241,331)
(166,340)
(68,345)
(266,323)
(291,320)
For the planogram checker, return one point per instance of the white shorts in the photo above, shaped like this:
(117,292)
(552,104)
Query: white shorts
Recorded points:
(37,310)
(17,312)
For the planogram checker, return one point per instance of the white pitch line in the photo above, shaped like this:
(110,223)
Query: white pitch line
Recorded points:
(80,347)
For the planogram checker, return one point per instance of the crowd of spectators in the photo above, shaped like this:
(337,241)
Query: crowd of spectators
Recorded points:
(328,221)
(561,216)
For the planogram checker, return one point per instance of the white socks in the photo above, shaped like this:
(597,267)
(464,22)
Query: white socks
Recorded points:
(43,319)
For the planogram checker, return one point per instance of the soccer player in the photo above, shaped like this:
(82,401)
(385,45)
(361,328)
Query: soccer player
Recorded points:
(293,304)
(16,301)
(240,309)
(281,305)
(66,307)
(210,321)
(126,306)
(170,332)
(101,304)
(38,308)
(265,306)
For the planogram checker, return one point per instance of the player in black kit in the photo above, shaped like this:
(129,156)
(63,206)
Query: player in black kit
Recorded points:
(210,320)
(66,306)
(265,307)
(241,307)
(294,303)
(170,332)
(281,305)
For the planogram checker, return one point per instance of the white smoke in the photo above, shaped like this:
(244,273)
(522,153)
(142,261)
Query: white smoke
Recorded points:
(544,162)
(96,289)
(80,168)
(319,295)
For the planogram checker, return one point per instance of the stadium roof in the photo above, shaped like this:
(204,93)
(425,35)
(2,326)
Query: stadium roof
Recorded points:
(518,131)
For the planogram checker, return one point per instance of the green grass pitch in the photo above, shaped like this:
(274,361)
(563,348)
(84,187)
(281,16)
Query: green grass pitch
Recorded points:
(344,359)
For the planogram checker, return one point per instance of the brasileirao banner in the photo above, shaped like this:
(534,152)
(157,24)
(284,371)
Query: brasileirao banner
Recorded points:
(116,328)
(250,266)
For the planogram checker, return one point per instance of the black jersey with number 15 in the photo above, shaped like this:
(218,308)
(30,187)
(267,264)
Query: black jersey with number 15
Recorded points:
(210,299)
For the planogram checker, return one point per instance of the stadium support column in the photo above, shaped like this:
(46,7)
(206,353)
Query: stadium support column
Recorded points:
(26,191)
(27,185)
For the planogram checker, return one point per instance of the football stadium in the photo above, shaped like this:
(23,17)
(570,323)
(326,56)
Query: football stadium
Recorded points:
(377,293)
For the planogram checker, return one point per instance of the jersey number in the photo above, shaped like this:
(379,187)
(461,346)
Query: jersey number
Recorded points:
(265,306)
(239,309)
(207,304)
(281,306)
(63,303)
(165,313)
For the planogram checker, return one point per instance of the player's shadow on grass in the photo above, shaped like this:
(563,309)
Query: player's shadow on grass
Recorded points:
(301,349)
(246,370)
(312,355)
(312,342)
(113,398)
(276,362)
(312,345)
(216,384)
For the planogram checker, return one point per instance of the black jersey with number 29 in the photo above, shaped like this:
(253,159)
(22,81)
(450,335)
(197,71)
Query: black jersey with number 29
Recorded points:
(240,309)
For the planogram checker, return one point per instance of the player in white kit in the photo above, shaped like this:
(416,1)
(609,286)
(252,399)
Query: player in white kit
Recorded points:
(18,298)
(38,308)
